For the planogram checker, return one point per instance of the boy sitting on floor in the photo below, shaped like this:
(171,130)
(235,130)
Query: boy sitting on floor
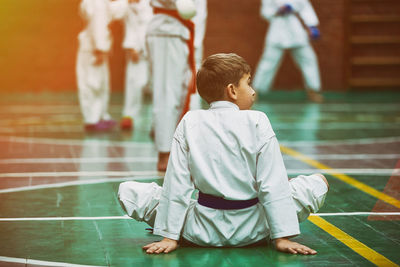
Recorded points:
(231,155)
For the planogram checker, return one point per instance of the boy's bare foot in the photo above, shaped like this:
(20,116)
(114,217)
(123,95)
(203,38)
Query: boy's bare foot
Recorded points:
(162,161)
(285,245)
(152,134)
(164,246)
(315,96)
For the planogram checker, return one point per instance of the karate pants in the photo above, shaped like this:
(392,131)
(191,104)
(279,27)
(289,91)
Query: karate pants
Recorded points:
(136,78)
(195,99)
(170,77)
(303,56)
(93,88)
(140,200)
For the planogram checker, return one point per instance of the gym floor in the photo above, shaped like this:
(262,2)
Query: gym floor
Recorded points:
(58,184)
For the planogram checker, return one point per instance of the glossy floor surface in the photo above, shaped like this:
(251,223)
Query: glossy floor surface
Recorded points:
(58,184)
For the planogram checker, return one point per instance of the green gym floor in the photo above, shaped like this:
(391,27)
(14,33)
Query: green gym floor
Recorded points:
(58,184)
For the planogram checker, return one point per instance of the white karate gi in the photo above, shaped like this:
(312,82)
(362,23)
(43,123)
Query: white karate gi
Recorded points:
(94,81)
(232,154)
(200,22)
(286,32)
(137,73)
(168,52)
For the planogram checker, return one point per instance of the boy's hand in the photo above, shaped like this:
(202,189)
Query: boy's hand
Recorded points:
(285,245)
(133,55)
(164,246)
(284,10)
(100,57)
(314,33)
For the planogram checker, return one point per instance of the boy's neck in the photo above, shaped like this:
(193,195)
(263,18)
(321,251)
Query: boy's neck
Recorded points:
(223,103)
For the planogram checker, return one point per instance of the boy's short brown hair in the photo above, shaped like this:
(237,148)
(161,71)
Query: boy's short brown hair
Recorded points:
(216,72)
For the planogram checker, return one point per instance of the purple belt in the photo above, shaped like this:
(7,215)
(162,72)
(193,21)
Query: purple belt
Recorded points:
(224,204)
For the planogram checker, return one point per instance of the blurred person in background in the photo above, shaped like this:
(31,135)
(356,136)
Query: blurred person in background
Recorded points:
(292,23)
(200,22)
(137,67)
(92,68)
(170,42)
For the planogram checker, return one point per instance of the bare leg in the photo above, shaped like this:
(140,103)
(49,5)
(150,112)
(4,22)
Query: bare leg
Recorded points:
(162,161)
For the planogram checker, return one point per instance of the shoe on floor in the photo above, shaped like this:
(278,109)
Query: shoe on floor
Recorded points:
(90,127)
(126,123)
(101,126)
(107,124)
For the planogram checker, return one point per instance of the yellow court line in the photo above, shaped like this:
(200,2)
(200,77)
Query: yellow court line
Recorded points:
(343,177)
(352,243)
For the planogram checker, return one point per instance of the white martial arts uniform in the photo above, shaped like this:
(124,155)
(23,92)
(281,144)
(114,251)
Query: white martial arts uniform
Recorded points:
(228,153)
(94,81)
(200,22)
(137,73)
(168,53)
(286,32)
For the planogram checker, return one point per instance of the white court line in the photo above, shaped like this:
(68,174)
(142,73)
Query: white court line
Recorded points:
(79,160)
(68,142)
(359,171)
(154,159)
(126,217)
(336,126)
(80,174)
(120,179)
(347,156)
(79,182)
(357,214)
(360,141)
(43,263)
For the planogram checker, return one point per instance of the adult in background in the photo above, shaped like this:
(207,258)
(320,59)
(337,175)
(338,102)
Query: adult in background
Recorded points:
(292,24)
(200,22)
(170,42)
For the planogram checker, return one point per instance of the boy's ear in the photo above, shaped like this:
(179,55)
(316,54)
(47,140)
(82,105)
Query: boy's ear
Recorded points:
(231,92)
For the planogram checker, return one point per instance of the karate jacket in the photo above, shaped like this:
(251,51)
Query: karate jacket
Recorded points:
(233,154)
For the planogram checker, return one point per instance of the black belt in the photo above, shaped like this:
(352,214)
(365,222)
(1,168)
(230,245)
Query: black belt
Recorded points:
(224,204)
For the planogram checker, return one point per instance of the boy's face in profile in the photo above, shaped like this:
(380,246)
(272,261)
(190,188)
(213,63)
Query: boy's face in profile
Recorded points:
(245,93)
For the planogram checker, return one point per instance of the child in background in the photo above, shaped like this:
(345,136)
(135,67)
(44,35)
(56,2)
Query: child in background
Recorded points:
(92,70)
(231,155)
(137,68)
